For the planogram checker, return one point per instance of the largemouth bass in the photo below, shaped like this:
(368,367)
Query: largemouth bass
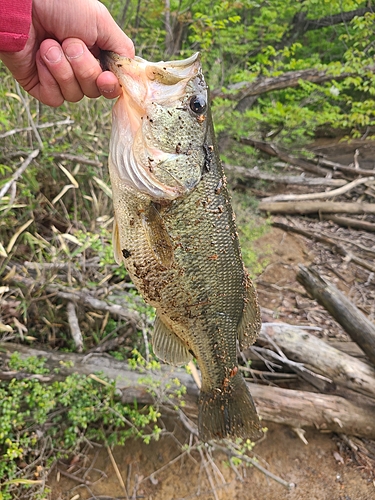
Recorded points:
(175,231)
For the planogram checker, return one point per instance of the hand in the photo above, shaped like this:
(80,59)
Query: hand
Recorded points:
(58,62)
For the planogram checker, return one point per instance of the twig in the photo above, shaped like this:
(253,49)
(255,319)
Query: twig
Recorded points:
(208,474)
(340,249)
(79,296)
(74,326)
(67,121)
(19,172)
(29,116)
(77,159)
(229,451)
(317,196)
(75,478)
(118,473)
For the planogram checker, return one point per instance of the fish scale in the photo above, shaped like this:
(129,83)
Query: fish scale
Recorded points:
(175,231)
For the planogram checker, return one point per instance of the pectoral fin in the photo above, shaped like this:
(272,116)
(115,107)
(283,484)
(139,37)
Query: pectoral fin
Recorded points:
(157,236)
(249,326)
(167,346)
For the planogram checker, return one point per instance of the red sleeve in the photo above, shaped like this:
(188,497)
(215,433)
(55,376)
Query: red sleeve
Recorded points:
(15,21)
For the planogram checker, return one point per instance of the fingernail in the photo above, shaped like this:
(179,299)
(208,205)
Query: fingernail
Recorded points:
(107,90)
(53,54)
(74,50)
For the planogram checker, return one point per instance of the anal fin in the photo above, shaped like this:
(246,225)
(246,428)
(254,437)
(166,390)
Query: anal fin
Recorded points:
(167,346)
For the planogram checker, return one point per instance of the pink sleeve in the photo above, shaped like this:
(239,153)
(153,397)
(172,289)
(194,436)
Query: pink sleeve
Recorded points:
(15,21)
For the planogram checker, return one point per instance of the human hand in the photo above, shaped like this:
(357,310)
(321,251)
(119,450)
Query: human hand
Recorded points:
(58,62)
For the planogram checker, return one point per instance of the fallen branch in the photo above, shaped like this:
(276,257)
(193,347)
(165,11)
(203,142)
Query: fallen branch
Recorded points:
(310,207)
(273,150)
(340,249)
(340,368)
(314,166)
(297,409)
(361,225)
(298,180)
(348,170)
(74,326)
(354,322)
(316,196)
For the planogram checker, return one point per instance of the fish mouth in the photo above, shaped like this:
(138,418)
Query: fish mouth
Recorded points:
(138,161)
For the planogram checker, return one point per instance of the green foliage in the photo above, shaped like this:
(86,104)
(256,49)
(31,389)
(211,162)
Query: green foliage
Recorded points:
(37,417)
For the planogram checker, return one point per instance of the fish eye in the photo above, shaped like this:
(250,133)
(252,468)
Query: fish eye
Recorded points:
(198,104)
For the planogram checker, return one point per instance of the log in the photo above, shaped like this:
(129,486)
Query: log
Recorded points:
(303,347)
(294,408)
(360,329)
(311,207)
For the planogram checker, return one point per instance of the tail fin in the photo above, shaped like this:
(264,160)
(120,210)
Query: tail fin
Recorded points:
(228,413)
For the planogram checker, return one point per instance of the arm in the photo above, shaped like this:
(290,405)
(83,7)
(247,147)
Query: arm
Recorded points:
(15,21)
(58,60)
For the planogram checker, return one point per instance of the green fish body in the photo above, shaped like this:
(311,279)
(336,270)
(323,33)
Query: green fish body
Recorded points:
(175,231)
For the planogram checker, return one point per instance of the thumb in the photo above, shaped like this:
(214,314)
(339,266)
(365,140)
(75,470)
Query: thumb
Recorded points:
(110,35)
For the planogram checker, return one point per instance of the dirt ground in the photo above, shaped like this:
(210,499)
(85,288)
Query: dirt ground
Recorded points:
(323,469)
(313,468)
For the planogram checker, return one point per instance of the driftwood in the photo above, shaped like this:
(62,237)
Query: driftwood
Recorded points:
(361,225)
(311,207)
(297,409)
(354,322)
(298,180)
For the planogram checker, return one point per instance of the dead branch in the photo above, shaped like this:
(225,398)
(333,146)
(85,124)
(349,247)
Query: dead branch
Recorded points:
(310,207)
(262,85)
(326,240)
(298,180)
(314,166)
(361,225)
(316,196)
(77,159)
(297,409)
(74,326)
(354,322)
(273,150)
(82,297)
(299,345)
(67,121)
(348,170)
(17,174)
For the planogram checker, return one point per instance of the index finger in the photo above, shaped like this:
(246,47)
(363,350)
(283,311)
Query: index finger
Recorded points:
(110,36)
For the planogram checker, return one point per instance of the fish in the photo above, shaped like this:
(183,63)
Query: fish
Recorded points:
(174,229)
